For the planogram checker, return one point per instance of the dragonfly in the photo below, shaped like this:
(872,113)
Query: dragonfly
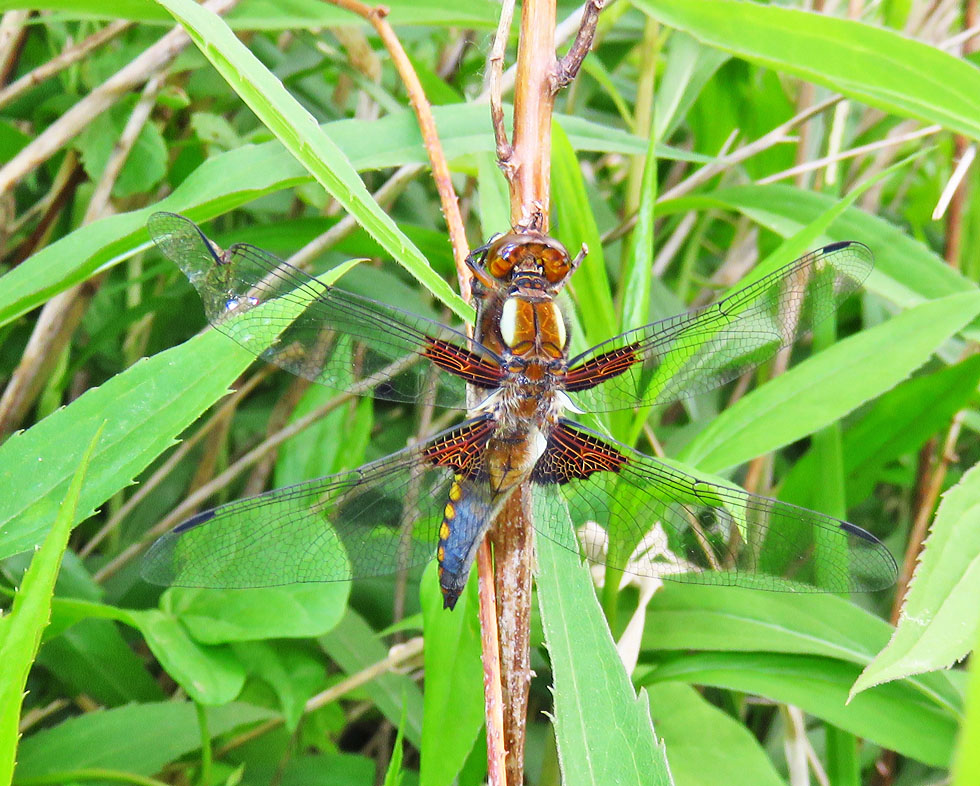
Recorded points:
(518,387)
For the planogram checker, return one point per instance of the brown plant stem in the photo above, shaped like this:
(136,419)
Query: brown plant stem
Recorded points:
(534,100)
(958,203)
(923,514)
(527,165)
(496,751)
(492,690)
(569,65)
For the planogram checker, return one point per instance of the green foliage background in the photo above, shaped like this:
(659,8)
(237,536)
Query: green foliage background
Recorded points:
(130,430)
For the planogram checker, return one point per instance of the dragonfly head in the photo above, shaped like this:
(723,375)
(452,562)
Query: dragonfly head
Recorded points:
(530,261)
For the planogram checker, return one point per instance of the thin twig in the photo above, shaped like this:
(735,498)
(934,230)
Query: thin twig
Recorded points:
(727,160)
(13,30)
(567,67)
(871,147)
(99,203)
(496,78)
(45,212)
(492,691)
(61,61)
(779,134)
(964,150)
(966,156)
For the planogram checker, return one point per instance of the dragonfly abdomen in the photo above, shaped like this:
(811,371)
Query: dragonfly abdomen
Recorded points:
(467,516)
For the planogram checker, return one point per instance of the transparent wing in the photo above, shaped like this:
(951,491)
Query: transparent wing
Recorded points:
(381,518)
(698,351)
(321,333)
(637,514)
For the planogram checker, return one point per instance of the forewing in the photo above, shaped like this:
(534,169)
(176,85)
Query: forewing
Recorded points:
(379,519)
(651,520)
(698,351)
(339,339)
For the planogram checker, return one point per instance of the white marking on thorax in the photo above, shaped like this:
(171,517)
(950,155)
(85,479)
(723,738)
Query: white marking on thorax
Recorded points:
(508,321)
(538,443)
(560,324)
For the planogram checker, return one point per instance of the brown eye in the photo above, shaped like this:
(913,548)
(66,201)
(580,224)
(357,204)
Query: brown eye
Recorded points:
(556,265)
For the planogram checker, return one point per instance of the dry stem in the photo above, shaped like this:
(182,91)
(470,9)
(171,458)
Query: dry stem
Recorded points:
(496,67)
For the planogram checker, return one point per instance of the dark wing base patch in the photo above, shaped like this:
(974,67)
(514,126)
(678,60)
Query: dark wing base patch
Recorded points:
(573,454)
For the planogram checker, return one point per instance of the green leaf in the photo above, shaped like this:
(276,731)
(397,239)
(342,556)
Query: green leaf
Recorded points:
(603,729)
(453,682)
(494,196)
(93,658)
(688,68)
(810,396)
(21,629)
(894,716)
(294,673)
(729,619)
(899,422)
(211,676)
(877,66)
(293,611)
(146,164)
(940,617)
(138,739)
(283,14)
(638,269)
(575,225)
(296,128)
(144,408)
(706,746)
(966,768)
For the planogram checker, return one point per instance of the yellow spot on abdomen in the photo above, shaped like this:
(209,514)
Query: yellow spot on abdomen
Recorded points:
(455,492)
(449,512)
(444,531)
(441,554)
